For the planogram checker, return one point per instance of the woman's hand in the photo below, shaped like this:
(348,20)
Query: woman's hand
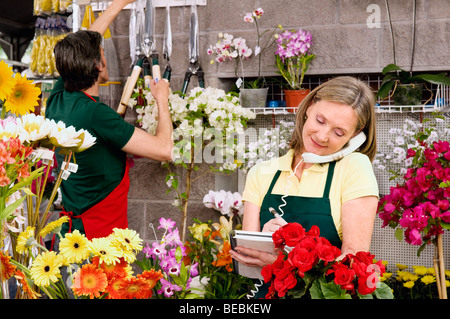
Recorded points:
(273,224)
(252,257)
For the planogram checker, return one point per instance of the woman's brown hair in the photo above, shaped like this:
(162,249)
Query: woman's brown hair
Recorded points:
(345,90)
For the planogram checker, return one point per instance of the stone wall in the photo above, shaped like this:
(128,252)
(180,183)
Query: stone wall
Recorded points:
(343,43)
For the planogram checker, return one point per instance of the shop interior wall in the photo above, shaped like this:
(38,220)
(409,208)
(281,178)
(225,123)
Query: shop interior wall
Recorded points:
(343,42)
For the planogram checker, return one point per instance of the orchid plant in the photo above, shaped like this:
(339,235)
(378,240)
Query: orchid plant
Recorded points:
(229,48)
(167,256)
(226,202)
(293,55)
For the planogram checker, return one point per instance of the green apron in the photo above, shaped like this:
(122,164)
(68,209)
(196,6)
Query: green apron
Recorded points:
(307,211)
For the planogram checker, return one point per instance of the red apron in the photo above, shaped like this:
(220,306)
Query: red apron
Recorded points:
(111,212)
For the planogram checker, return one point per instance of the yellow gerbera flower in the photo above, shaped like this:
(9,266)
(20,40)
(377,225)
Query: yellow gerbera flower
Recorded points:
(24,96)
(25,239)
(128,239)
(54,226)
(74,247)
(45,268)
(104,248)
(6,80)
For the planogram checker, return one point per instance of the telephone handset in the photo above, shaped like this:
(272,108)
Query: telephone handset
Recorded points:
(353,144)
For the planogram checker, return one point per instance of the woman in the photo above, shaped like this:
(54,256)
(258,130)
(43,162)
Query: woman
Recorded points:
(340,197)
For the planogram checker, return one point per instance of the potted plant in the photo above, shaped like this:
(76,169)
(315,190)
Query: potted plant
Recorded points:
(292,59)
(406,88)
(253,93)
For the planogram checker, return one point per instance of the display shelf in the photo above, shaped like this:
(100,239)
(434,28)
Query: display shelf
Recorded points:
(378,109)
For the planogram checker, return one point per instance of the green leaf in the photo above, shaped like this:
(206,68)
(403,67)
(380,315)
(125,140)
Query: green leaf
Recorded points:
(445,225)
(8,210)
(383,291)
(399,234)
(385,89)
(440,78)
(316,291)
(391,67)
(332,291)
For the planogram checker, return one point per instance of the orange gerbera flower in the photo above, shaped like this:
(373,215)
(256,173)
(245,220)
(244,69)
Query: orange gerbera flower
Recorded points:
(20,276)
(134,287)
(89,281)
(112,270)
(114,286)
(152,276)
(224,257)
(6,268)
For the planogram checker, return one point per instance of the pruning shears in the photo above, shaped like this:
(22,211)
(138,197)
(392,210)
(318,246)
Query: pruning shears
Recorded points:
(194,67)
(167,44)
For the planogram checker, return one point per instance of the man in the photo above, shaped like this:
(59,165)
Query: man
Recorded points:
(95,197)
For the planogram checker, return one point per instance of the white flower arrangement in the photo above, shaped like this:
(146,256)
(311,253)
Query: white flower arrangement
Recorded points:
(271,143)
(204,114)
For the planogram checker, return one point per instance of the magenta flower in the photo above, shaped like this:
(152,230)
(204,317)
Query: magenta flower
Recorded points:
(168,288)
(166,224)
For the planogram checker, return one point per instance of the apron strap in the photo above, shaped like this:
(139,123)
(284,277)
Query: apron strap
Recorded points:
(274,181)
(326,191)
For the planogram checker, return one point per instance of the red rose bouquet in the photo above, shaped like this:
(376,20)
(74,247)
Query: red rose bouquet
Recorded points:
(307,267)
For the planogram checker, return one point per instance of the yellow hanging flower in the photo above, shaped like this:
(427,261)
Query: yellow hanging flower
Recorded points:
(74,247)
(6,80)
(45,268)
(54,226)
(24,96)
(105,249)
(25,239)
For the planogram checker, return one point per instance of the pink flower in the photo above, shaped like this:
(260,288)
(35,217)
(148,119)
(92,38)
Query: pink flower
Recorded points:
(441,146)
(413,237)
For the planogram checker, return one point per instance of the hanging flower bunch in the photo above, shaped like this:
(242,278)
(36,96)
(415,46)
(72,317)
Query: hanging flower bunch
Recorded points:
(293,55)
(310,268)
(98,268)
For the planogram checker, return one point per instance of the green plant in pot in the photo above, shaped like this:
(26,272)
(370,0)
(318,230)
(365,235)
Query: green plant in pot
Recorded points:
(407,88)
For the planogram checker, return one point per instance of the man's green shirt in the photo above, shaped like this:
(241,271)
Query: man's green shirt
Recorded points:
(101,167)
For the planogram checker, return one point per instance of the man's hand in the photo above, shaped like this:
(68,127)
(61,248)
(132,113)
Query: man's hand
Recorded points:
(106,18)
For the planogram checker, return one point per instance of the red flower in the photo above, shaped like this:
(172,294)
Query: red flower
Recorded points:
(343,275)
(367,284)
(292,233)
(302,259)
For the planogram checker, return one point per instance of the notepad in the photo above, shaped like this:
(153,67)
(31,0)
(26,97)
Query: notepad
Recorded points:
(256,240)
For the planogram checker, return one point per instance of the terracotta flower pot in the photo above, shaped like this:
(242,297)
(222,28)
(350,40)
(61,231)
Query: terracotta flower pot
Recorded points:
(294,98)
